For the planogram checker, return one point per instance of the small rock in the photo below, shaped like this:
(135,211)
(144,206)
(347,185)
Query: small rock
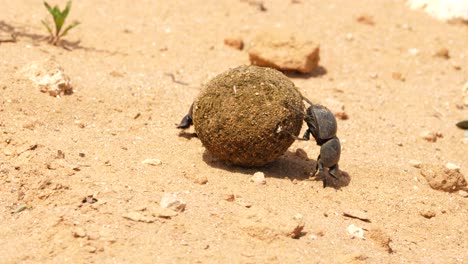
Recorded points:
(413,51)
(355,231)
(381,238)
(49,76)
(283,50)
(152,162)
(415,163)
(138,217)
(465,94)
(337,108)
(453,11)
(229,197)
(398,76)
(463,193)
(268,227)
(79,232)
(172,201)
(349,37)
(234,42)
(245,204)
(442,53)
(365,19)
(427,213)
(443,179)
(164,213)
(258,177)
(298,217)
(90,249)
(452,166)
(200,179)
(430,136)
(358,214)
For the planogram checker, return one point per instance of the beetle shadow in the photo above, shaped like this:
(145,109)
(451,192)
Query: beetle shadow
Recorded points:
(289,166)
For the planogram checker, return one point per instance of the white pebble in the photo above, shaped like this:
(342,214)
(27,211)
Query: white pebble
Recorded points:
(152,162)
(452,166)
(172,201)
(415,163)
(258,177)
(355,231)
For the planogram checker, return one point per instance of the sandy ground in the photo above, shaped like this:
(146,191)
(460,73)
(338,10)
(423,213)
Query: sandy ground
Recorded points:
(75,207)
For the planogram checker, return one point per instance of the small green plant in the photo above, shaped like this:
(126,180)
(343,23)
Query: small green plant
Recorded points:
(59,20)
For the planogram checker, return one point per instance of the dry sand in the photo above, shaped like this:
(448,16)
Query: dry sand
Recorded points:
(74,188)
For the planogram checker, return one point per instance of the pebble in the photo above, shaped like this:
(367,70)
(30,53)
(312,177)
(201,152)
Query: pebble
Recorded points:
(414,51)
(234,42)
(430,136)
(200,179)
(355,231)
(49,76)
(79,232)
(284,50)
(465,94)
(452,11)
(452,166)
(382,238)
(442,53)
(268,227)
(415,163)
(337,108)
(152,162)
(229,197)
(172,201)
(443,179)
(258,177)
(165,213)
(463,193)
(90,249)
(398,76)
(358,214)
(138,217)
(427,213)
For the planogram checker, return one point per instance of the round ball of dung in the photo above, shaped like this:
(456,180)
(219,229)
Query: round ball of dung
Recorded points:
(246,115)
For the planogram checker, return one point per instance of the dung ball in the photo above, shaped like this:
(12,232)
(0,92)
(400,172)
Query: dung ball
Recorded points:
(246,115)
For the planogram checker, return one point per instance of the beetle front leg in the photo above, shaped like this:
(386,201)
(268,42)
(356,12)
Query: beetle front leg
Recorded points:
(187,121)
(306,135)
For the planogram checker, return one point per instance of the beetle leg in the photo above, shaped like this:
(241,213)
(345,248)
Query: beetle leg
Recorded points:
(306,135)
(334,171)
(318,166)
(187,121)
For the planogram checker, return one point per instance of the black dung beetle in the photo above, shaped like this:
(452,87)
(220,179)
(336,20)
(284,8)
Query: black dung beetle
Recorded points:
(322,125)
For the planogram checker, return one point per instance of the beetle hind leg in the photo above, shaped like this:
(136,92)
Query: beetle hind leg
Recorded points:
(186,122)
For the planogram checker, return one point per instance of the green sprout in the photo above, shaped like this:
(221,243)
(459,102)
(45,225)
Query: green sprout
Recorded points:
(59,20)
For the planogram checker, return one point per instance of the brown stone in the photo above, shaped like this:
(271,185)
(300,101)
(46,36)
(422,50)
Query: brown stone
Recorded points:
(283,50)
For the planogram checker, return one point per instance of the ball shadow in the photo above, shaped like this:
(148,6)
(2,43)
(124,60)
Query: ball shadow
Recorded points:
(289,166)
